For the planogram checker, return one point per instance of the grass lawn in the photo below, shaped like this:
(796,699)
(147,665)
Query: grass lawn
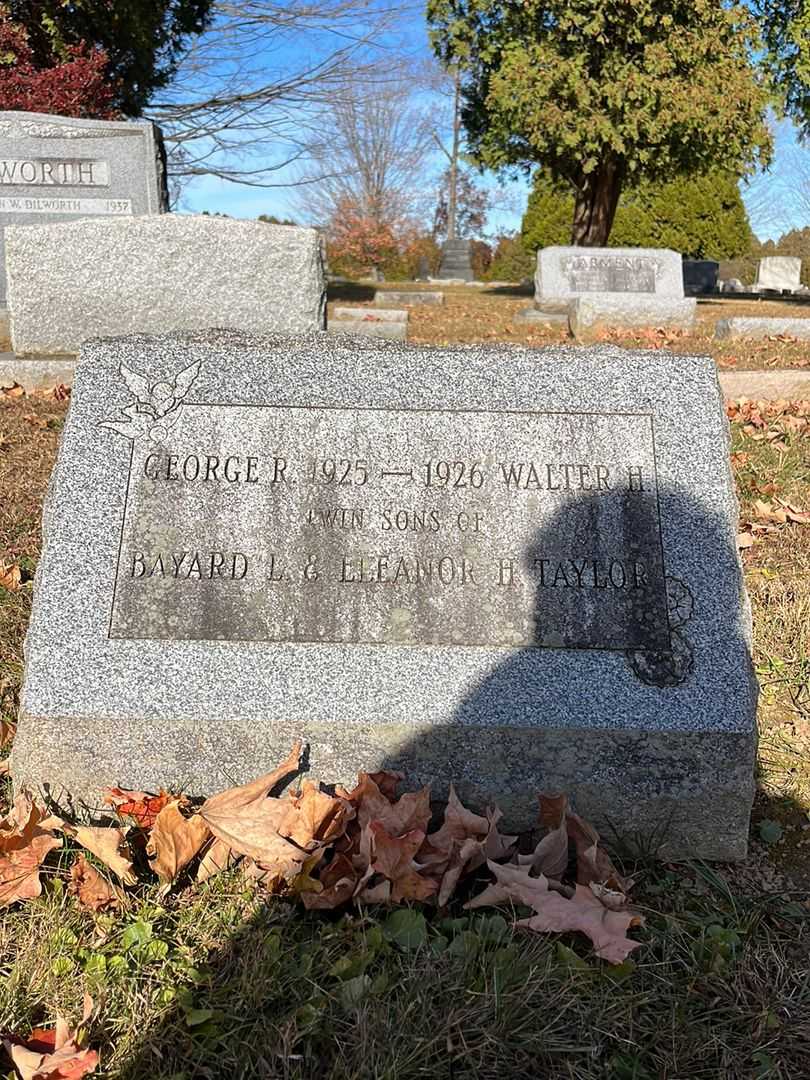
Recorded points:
(216,981)
(475,315)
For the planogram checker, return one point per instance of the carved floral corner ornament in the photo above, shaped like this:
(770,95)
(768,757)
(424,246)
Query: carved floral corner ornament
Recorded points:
(672,666)
(157,406)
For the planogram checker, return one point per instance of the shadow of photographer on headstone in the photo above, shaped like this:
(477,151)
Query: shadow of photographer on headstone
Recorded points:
(629,682)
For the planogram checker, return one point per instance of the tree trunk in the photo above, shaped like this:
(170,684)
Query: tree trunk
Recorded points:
(595,206)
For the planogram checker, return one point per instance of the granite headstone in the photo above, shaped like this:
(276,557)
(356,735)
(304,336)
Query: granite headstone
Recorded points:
(700,276)
(456,264)
(623,287)
(99,278)
(777,273)
(57,168)
(499,566)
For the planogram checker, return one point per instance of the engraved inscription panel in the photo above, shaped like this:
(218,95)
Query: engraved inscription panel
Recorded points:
(611,273)
(393,526)
(63,205)
(54,172)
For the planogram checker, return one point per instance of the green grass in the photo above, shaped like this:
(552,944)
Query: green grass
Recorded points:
(218,983)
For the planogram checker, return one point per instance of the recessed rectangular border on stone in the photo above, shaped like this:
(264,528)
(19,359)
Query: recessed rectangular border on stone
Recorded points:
(463,565)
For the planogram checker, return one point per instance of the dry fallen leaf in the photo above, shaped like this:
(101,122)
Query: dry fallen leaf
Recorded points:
(393,858)
(550,857)
(410,811)
(338,881)
(218,856)
(108,844)
(7,732)
(140,806)
(53,1053)
(26,837)
(464,842)
(247,820)
(10,576)
(92,890)
(313,817)
(593,862)
(14,391)
(583,912)
(174,841)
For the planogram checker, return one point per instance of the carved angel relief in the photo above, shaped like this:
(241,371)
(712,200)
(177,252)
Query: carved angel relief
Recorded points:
(157,407)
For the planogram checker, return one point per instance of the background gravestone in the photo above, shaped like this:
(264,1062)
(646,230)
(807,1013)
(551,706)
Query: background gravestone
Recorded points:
(68,283)
(56,168)
(700,276)
(502,567)
(456,264)
(600,288)
(778,272)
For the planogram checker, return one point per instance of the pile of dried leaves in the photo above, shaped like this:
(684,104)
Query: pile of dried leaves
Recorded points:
(771,420)
(365,846)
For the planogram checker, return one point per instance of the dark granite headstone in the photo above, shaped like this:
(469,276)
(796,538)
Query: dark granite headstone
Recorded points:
(456,261)
(700,276)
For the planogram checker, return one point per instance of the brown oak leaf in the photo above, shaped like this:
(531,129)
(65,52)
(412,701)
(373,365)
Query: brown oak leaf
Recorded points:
(410,811)
(583,912)
(92,890)
(108,844)
(393,858)
(10,576)
(338,881)
(550,857)
(26,837)
(218,856)
(313,817)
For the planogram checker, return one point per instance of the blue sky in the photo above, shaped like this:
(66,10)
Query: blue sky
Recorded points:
(777,201)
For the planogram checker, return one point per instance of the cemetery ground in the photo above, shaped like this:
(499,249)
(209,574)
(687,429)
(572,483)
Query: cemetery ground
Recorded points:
(486,314)
(217,980)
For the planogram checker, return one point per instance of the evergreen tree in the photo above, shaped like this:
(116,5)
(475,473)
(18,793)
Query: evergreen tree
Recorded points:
(603,94)
(702,218)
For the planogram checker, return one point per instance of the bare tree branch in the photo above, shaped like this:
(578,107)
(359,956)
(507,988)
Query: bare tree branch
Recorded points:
(252,95)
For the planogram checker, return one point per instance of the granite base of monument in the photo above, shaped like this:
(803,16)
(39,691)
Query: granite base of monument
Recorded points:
(754,327)
(589,315)
(501,567)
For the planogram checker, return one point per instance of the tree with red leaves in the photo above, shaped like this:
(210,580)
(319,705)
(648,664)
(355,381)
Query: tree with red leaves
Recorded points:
(77,85)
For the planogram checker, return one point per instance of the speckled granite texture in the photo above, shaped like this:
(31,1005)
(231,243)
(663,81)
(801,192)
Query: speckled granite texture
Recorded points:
(71,282)
(654,746)
(128,175)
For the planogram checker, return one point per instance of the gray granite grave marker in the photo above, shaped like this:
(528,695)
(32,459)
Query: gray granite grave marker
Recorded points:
(56,168)
(603,287)
(101,278)
(499,566)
